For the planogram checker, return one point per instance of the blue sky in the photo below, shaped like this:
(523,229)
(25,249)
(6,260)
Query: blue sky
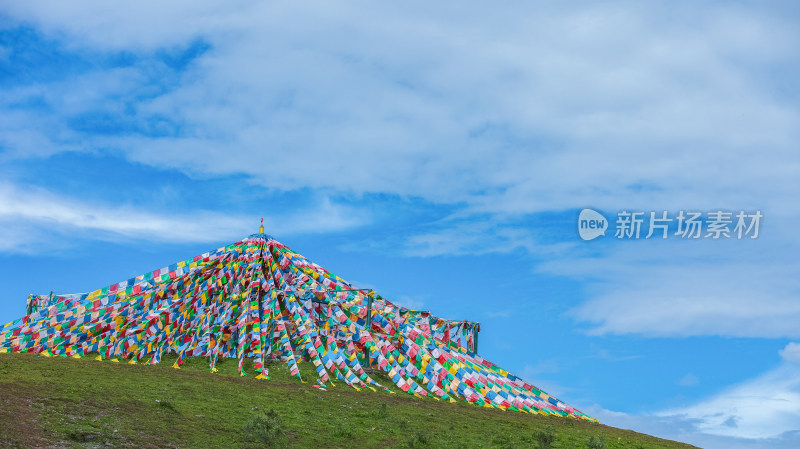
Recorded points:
(440,154)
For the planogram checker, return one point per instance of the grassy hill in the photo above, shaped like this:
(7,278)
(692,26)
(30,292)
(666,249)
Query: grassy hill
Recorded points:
(83,403)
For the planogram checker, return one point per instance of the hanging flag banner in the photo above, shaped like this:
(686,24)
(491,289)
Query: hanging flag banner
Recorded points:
(257,299)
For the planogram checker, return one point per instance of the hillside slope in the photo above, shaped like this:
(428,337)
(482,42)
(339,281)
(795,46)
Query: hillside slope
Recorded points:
(64,402)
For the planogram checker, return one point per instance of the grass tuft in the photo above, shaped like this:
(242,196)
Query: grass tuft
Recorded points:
(544,438)
(419,440)
(166,404)
(596,442)
(266,428)
(383,411)
(341,431)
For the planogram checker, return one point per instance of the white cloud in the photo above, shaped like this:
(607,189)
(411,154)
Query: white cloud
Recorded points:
(763,412)
(791,353)
(500,313)
(509,110)
(143,26)
(605,354)
(410,302)
(461,234)
(31,216)
(679,288)
(689,380)
(765,407)
(468,238)
(533,375)
(541,367)
(683,428)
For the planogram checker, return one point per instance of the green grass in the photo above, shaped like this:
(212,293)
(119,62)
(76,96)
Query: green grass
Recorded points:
(83,403)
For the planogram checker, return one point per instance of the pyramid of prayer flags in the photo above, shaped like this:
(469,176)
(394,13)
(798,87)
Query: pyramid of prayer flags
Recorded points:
(260,300)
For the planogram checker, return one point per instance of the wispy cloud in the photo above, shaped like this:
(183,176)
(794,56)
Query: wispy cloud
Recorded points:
(32,216)
(462,233)
(534,375)
(757,413)
(735,288)
(689,380)
(684,428)
(411,302)
(468,237)
(765,407)
(605,354)
(499,313)
(791,353)
(539,368)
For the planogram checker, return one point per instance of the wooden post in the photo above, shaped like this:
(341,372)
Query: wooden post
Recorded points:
(475,333)
(369,311)
(368,324)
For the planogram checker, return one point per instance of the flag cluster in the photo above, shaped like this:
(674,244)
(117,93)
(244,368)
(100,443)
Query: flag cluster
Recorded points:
(260,300)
